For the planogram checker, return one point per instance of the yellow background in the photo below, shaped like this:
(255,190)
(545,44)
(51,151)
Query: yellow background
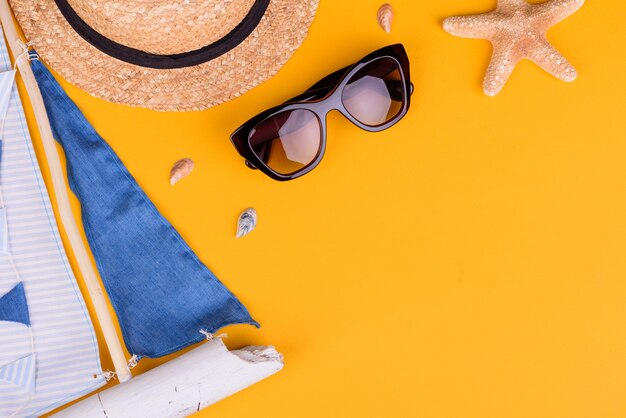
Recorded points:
(468,262)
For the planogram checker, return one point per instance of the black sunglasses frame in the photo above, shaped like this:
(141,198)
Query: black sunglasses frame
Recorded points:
(321,98)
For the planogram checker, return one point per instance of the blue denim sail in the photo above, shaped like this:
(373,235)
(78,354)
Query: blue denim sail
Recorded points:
(13,306)
(162,293)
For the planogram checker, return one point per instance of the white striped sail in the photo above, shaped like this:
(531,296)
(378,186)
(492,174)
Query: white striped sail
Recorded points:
(55,359)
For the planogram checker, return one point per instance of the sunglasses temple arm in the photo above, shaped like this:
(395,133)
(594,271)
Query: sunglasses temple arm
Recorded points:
(322,87)
(311,95)
(394,86)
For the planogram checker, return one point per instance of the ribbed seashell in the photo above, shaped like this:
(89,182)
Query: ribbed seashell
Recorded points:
(181,169)
(246,223)
(385,17)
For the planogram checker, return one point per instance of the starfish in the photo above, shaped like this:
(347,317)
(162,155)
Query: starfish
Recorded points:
(517,30)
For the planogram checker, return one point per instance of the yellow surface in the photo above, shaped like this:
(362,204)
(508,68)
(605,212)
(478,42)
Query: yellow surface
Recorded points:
(469,262)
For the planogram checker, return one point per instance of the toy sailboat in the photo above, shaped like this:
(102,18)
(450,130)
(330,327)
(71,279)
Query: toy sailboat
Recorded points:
(48,352)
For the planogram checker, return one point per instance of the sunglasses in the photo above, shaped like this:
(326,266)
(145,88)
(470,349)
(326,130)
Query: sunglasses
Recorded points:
(288,141)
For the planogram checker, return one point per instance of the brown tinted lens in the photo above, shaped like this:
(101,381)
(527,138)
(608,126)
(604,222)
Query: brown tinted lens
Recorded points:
(375,94)
(288,141)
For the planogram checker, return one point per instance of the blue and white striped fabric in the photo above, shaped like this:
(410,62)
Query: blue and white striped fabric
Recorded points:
(21,373)
(55,359)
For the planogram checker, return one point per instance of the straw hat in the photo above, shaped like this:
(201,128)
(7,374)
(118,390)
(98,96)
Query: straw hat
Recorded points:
(166,54)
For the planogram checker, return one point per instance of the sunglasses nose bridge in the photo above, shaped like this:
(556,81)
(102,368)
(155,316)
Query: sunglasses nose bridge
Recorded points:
(327,105)
(341,111)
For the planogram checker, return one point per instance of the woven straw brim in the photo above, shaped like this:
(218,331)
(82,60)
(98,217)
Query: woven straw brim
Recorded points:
(256,59)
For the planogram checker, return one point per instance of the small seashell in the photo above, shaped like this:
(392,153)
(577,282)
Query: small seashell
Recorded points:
(246,222)
(181,169)
(385,17)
